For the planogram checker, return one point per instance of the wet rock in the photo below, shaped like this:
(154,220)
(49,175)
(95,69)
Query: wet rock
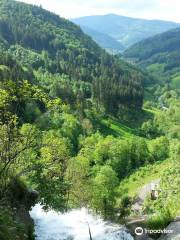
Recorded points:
(174,232)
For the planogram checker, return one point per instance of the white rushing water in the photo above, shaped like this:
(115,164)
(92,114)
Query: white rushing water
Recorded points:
(73,225)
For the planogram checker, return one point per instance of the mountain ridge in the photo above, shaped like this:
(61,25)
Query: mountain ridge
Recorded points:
(124,29)
(60,47)
(104,40)
(160,55)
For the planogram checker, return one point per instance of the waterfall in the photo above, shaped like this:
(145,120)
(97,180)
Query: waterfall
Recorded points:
(74,225)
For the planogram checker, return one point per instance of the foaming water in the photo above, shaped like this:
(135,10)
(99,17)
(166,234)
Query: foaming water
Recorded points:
(73,225)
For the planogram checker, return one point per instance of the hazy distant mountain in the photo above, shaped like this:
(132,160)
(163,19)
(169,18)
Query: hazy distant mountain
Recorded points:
(125,30)
(104,40)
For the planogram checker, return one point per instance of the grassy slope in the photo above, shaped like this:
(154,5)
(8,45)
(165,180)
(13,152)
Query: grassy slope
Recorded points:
(143,176)
(115,128)
(126,129)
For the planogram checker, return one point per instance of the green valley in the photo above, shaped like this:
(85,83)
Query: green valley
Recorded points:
(81,128)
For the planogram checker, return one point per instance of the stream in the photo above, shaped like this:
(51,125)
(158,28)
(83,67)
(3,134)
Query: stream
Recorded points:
(73,225)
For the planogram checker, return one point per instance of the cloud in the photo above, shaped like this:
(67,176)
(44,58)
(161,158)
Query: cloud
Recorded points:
(148,9)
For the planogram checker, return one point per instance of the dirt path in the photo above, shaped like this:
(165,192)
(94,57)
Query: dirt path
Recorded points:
(142,194)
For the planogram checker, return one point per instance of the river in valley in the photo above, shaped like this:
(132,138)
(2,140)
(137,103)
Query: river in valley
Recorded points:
(73,225)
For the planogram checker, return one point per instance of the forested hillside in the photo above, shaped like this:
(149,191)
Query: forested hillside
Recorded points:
(55,86)
(74,125)
(160,55)
(54,45)
(125,30)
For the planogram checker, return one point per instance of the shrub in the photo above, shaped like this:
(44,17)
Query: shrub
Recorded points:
(160,220)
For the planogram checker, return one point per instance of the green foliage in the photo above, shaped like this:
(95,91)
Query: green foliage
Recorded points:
(168,120)
(166,207)
(176,82)
(11,227)
(103,196)
(14,222)
(41,40)
(160,56)
(78,175)
(160,221)
(149,129)
(56,86)
(13,144)
(170,181)
(133,183)
(122,155)
(159,148)
(49,170)
(155,45)
(124,207)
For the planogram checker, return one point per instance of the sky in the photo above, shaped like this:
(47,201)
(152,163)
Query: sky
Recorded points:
(147,9)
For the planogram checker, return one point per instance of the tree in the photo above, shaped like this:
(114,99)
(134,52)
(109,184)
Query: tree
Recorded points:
(125,206)
(13,144)
(139,152)
(159,148)
(104,191)
(149,129)
(79,176)
(120,157)
(50,168)
(71,129)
